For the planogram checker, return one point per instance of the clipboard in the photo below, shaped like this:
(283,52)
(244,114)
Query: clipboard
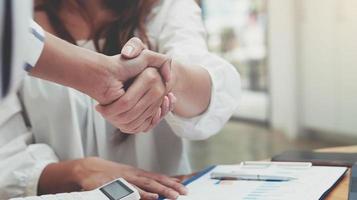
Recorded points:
(334,176)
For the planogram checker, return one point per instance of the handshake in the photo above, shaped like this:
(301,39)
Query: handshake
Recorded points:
(147,100)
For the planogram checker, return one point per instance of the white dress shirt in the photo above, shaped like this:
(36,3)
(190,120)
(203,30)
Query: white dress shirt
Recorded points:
(66,120)
(21,43)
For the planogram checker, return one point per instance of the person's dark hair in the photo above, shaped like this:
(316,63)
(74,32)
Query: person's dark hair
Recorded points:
(131,17)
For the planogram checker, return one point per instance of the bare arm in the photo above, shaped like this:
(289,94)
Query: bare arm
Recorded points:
(76,67)
(99,76)
(192,87)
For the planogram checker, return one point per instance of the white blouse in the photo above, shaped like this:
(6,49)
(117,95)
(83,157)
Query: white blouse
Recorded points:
(66,120)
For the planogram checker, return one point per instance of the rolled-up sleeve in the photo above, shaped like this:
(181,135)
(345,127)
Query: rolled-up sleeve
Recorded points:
(21,161)
(35,43)
(21,167)
(183,37)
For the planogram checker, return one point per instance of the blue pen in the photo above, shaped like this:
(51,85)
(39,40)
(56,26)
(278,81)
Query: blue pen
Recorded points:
(249,177)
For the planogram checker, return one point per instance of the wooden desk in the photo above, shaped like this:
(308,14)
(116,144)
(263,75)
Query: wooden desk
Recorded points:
(341,191)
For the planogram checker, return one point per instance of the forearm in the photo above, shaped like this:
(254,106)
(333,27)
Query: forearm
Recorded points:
(192,88)
(58,178)
(72,66)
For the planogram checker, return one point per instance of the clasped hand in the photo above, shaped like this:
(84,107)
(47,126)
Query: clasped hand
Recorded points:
(141,106)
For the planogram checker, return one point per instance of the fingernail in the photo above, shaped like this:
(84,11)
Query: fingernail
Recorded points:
(174,99)
(176,179)
(184,191)
(154,196)
(166,105)
(128,50)
(174,194)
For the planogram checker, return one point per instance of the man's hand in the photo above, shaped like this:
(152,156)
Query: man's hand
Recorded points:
(90,173)
(147,100)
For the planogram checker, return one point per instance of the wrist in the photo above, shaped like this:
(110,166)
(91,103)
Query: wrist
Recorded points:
(97,80)
(75,67)
(79,172)
(177,82)
(58,178)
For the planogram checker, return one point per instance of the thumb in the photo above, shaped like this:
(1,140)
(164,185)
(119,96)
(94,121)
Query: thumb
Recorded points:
(133,48)
(149,59)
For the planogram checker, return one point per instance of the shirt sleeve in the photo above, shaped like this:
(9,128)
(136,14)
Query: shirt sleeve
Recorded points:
(21,167)
(35,44)
(21,161)
(183,38)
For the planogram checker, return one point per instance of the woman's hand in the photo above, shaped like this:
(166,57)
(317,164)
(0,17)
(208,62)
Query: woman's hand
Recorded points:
(142,106)
(147,100)
(91,173)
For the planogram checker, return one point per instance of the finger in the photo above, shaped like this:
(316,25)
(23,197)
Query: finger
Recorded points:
(147,195)
(156,118)
(152,96)
(173,101)
(133,48)
(128,100)
(168,182)
(155,121)
(150,112)
(140,128)
(165,107)
(165,70)
(134,126)
(153,186)
(176,179)
(146,126)
(149,59)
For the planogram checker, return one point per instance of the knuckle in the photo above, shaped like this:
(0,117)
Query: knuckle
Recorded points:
(145,53)
(127,118)
(151,75)
(124,102)
(144,195)
(177,186)
(147,182)
(162,179)
(166,191)
(159,89)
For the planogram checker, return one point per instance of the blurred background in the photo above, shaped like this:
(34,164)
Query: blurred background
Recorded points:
(298,62)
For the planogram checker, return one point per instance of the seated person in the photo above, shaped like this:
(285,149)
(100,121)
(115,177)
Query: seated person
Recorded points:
(206,88)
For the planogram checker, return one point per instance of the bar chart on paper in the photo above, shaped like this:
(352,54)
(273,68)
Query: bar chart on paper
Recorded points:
(311,184)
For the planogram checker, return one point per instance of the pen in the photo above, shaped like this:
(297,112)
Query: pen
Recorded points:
(249,177)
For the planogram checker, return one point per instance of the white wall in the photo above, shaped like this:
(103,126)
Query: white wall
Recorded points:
(313,60)
(328,57)
(282,65)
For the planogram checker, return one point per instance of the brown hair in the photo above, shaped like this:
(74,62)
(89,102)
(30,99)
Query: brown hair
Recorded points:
(131,17)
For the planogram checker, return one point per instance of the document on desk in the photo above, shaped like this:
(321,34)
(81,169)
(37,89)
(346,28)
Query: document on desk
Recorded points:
(310,183)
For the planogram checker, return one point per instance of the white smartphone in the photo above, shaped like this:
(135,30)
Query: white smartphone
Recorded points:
(116,190)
